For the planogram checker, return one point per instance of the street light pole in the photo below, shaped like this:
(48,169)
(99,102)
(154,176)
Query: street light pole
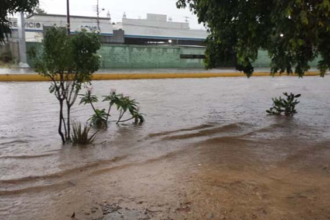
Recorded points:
(68,16)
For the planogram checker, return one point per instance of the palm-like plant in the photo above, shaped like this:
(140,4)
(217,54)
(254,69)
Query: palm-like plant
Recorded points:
(130,105)
(100,117)
(113,99)
(123,104)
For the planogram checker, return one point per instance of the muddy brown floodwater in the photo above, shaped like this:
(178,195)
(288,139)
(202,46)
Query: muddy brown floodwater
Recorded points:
(207,151)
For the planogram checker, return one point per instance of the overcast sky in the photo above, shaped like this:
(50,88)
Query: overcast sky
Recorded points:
(133,8)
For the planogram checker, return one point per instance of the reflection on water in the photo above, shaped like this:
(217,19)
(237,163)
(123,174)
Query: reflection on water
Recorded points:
(178,113)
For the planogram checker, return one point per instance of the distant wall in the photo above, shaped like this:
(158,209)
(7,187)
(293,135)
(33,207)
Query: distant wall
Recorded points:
(135,56)
(264,61)
(29,45)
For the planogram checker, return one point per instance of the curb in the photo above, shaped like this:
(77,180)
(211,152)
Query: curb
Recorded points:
(126,76)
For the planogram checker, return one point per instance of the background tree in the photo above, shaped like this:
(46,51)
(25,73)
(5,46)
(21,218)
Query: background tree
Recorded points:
(40,11)
(11,7)
(294,32)
(37,11)
(69,61)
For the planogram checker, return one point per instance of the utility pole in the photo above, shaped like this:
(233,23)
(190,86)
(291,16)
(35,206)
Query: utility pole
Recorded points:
(22,43)
(97,8)
(98,15)
(68,16)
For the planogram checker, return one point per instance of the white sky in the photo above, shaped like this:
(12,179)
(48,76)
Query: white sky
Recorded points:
(133,8)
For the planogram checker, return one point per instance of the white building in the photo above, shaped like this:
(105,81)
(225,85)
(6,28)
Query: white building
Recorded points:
(34,26)
(158,27)
(155,29)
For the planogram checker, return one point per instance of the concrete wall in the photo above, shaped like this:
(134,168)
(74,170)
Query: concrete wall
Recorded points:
(118,37)
(11,48)
(264,60)
(135,56)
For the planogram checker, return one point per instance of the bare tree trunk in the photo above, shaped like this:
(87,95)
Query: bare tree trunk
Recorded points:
(64,126)
(68,122)
(60,123)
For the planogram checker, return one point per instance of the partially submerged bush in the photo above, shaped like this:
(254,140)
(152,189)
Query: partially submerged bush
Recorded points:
(80,136)
(286,106)
(99,119)
(123,104)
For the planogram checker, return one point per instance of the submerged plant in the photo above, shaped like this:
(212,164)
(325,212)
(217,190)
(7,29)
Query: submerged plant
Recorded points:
(113,99)
(286,106)
(100,117)
(80,136)
(124,104)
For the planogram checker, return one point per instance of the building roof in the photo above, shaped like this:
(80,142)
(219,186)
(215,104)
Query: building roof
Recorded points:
(71,16)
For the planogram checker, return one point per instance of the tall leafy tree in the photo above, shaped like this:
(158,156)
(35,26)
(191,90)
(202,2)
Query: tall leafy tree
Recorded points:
(11,7)
(68,61)
(294,32)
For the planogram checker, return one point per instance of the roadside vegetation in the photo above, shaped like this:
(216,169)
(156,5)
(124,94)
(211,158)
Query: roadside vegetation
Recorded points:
(69,62)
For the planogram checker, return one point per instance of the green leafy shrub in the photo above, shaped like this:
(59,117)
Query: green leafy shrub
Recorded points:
(124,104)
(286,106)
(80,136)
(99,119)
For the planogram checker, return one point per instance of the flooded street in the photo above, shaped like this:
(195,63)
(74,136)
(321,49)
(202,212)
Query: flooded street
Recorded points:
(207,150)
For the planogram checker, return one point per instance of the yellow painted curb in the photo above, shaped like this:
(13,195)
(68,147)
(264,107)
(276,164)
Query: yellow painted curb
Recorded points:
(123,76)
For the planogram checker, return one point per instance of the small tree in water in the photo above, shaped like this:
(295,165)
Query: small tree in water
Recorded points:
(286,106)
(69,61)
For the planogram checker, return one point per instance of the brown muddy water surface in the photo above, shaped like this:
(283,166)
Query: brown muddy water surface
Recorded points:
(207,151)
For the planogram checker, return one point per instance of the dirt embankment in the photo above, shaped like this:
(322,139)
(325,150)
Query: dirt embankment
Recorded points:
(229,177)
